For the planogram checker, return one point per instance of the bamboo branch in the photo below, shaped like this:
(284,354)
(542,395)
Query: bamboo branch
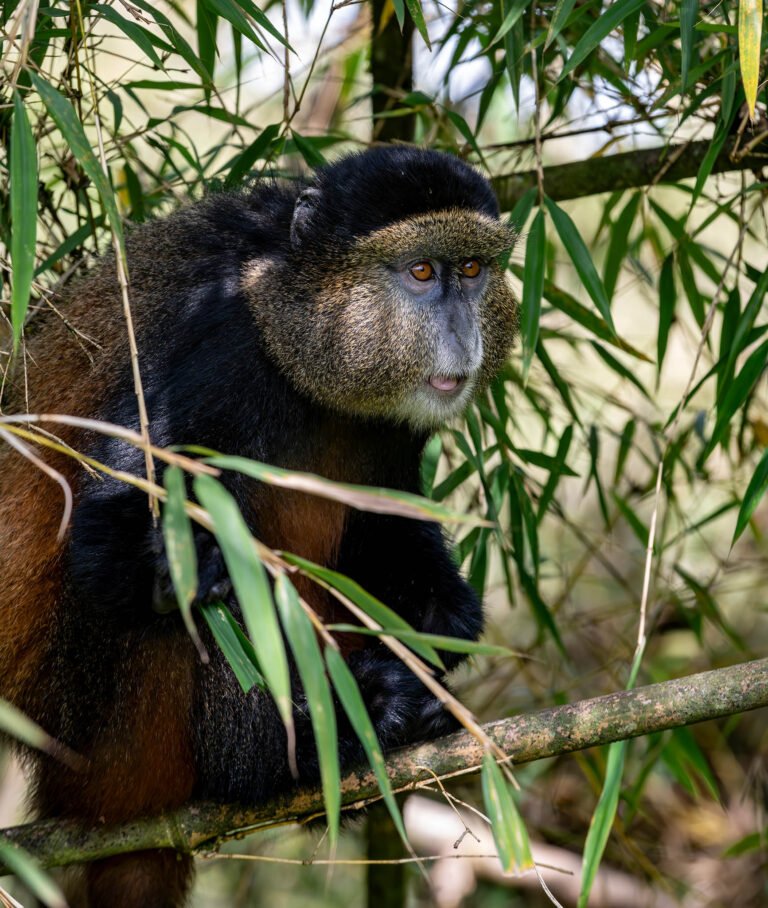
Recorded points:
(550,732)
(645,167)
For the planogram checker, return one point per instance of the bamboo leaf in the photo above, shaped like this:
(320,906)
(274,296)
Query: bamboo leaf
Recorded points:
(366,498)
(309,662)
(349,694)
(736,392)
(602,820)
(689,10)
(234,15)
(23,201)
(579,254)
(237,648)
(509,832)
(611,17)
(180,550)
(750,33)
(15,723)
(417,14)
(533,286)
(752,497)
(66,119)
(667,300)
(250,582)
(26,868)
(257,150)
(368,603)
(449,644)
(617,248)
(563,9)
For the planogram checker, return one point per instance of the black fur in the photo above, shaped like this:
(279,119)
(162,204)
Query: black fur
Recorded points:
(209,381)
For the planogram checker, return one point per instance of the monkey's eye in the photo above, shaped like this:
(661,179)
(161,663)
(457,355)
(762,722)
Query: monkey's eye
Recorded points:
(470,268)
(422,271)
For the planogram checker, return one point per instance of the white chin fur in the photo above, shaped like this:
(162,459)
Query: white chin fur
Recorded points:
(426,409)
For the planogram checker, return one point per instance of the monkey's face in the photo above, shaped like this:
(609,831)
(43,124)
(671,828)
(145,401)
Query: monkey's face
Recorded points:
(407,324)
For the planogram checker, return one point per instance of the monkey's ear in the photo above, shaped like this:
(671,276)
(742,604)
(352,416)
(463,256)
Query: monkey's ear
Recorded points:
(305,207)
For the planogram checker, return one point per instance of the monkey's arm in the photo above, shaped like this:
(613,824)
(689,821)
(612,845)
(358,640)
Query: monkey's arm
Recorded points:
(406,564)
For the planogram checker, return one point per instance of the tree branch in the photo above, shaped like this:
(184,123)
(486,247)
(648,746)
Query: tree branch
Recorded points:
(547,733)
(645,167)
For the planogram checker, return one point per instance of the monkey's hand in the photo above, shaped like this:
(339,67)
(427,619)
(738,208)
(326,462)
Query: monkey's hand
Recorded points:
(213,582)
(402,709)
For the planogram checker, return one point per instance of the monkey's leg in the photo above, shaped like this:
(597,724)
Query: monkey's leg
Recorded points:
(149,879)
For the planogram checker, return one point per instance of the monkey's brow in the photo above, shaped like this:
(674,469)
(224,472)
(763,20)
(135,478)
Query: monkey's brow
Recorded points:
(451,235)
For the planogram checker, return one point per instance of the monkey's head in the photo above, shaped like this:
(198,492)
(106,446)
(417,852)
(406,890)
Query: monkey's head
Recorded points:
(393,303)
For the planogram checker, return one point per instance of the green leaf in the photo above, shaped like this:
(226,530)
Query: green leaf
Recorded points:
(609,19)
(26,868)
(249,580)
(533,286)
(308,150)
(689,10)
(141,37)
(667,300)
(708,607)
(430,461)
(619,368)
(180,550)
(352,701)
(750,32)
(625,445)
(417,14)
(235,16)
(23,201)
(579,254)
(563,9)
(514,51)
(15,723)
(602,820)
(366,498)
(513,10)
(207,22)
(237,648)
(558,470)
(177,41)
(736,394)
(509,832)
(368,603)
(463,127)
(585,317)
(755,491)
(242,164)
(309,662)
(617,248)
(66,119)
(449,644)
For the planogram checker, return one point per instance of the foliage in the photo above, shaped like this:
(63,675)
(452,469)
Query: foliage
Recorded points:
(616,461)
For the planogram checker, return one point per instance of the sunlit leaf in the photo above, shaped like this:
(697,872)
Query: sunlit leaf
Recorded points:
(509,832)
(26,868)
(252,588)
(317,691)
(750,32)
(354,706)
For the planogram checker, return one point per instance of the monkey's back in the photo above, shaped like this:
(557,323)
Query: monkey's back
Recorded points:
(78,364)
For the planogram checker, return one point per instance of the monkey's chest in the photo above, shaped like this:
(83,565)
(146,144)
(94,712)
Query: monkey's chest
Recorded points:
(312,528)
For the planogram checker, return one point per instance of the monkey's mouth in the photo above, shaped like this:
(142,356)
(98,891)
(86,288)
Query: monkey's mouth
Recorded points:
(447,384)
